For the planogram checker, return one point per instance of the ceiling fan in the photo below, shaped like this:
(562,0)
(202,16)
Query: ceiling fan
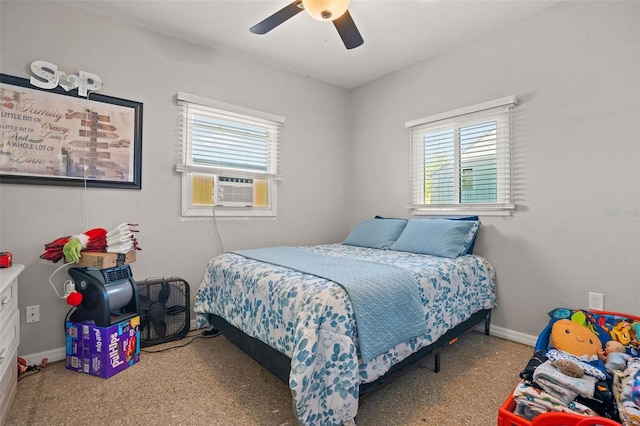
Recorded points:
(322,10)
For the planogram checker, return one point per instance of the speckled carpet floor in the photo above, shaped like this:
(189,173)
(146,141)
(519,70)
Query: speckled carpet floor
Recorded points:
(212,382)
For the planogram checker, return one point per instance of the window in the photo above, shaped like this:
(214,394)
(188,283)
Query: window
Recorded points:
(229,159)
(461,160)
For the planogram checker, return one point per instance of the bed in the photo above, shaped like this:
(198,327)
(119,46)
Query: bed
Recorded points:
(336,337)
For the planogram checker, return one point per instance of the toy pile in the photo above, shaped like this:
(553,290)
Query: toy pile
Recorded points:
(586,363)
(120,239)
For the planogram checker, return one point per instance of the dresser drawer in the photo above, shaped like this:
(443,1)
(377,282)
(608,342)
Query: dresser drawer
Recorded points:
(8,387)
(8,301)
(9,338)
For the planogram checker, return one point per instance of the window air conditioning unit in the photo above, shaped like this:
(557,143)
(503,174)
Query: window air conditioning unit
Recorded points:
(232,192)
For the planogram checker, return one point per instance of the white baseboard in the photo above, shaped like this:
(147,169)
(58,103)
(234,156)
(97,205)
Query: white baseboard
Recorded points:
(515,336)
(59,354)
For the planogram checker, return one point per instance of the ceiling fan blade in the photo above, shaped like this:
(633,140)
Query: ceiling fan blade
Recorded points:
(277,18)
(348,31)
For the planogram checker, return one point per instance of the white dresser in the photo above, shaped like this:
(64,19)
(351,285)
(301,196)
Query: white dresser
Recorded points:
(9,337)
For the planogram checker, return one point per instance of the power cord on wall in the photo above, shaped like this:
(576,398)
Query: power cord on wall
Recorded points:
(215,228)
(69,286)
(85,208)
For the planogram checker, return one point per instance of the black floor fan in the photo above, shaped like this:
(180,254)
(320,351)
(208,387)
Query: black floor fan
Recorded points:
(164,307)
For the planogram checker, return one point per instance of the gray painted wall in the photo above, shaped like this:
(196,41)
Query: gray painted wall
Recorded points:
(575,68)
(151,68)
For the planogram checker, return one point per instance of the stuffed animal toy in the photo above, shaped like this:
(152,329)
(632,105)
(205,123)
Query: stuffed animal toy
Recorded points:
(615,356)
(622,332)
(568,368)
(579,344)
(573,338)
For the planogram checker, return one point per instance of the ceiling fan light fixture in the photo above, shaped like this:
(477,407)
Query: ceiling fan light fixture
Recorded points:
(325,10)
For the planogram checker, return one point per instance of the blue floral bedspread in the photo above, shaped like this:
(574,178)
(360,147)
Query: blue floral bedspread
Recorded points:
(380,326)
(311,320)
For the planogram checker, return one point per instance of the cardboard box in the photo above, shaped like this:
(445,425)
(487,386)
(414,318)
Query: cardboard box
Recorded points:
(102,260)
(102,351)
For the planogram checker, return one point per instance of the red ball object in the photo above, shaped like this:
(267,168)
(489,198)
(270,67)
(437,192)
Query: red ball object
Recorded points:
(74,299)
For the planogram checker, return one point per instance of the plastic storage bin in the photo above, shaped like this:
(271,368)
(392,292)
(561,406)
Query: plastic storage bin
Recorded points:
(609,326)
(506,417)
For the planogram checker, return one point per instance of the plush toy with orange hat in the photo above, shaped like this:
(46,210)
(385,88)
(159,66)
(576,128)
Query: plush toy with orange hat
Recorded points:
(572,340)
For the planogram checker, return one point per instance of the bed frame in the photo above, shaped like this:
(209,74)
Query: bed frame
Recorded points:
(279,364)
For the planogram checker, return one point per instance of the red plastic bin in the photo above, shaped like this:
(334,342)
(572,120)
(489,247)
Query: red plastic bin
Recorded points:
(506,417)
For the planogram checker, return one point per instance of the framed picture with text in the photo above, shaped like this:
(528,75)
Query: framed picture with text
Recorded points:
(54,137)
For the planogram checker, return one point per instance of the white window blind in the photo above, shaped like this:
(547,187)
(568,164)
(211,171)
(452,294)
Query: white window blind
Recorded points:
(226,139)
(227,142)
(461,160)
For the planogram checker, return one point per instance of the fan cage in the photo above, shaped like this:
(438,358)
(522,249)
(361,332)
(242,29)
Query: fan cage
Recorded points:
(165,311)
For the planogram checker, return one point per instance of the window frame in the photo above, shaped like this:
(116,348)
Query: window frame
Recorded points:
(188,169)
(498,110)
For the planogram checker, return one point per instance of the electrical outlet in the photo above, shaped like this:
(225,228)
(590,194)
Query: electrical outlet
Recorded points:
(596,301)
(33,313)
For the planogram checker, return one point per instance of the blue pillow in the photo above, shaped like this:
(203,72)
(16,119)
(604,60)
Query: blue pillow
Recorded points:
(473,242)
(437,237)
(376,233)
